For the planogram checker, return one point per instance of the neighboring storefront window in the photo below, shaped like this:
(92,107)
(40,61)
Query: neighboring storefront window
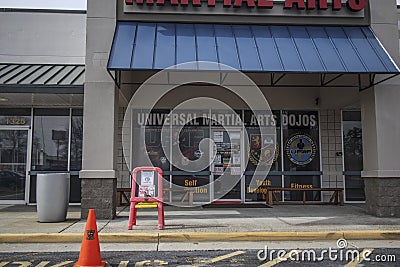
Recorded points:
(76,154)
(301,153)
(76,139)
(50,140)
(49,148)
(13,152)
(353,156)
(50,151)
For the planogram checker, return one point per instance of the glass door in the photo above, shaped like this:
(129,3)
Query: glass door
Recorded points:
(227,165)
(13,164)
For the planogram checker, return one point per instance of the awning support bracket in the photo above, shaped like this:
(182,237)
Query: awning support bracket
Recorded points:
(373,82)
(331,80)
(277,77)
(280,77)
(116,78)
(371,78)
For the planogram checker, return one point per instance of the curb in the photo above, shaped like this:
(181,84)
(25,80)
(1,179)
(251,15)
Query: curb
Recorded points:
(204,237)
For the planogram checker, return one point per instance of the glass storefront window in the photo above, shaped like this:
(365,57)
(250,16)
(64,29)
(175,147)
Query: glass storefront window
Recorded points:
(352,141)
(13,156)
(148,149)
(301,154)
(187,140)
(76,139)
(50,140)
(295,142)
(200,185)
(75,189)
(354,188)
(301,140)
(13,152)
(300,182)
(259,191)
(262,147)
(353,156)
(154,147)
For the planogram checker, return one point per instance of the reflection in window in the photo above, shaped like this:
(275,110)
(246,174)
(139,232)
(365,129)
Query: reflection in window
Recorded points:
(352,140)
(76,139)
(187,140)
(13,164)
(353,155)
(50,139)
(154,148)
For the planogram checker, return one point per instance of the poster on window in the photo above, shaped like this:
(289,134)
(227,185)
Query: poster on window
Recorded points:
(218,137)
(264,148)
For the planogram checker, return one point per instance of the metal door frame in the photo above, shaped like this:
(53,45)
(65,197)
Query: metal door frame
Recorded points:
(28,162)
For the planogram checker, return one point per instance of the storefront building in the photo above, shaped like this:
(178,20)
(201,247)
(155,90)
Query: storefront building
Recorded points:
(318,63)
(326,68)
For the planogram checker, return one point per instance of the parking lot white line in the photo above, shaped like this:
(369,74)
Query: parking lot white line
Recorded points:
(123,264)
(157,262)
(43,264)
(22,263)
(141,263)
(219,258)
(227,256)
(280,259)
(356,261)
(62,264)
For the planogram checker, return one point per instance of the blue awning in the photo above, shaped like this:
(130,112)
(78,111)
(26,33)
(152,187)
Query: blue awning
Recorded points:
(250,48)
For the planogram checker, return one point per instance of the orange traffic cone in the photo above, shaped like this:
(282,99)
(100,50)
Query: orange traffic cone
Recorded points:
(90,249)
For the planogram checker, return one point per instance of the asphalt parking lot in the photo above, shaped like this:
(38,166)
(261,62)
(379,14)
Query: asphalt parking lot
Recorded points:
(234,258)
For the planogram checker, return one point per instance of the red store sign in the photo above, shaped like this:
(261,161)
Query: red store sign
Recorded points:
(353,5)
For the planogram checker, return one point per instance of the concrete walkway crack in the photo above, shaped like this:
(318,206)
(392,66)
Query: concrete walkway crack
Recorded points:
(116,215)
(69,226)
(104,226)
(285,222)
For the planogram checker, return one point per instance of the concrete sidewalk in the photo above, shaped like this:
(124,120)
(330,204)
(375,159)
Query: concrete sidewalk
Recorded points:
(18,223)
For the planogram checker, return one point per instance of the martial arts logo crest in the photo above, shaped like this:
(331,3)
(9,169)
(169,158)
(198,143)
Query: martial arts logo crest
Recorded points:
(264,149)
(300,149)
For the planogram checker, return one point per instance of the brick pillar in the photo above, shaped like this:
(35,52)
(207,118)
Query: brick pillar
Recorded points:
(99,194)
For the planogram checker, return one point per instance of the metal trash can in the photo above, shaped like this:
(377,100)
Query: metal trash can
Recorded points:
(52,196)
